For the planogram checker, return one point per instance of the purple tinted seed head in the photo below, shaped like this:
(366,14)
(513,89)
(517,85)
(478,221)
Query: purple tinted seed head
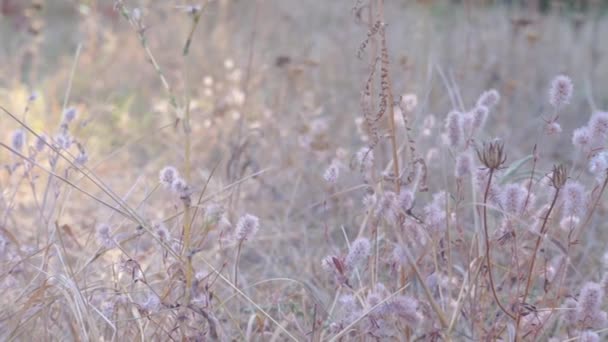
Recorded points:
(246,227)
(560,91)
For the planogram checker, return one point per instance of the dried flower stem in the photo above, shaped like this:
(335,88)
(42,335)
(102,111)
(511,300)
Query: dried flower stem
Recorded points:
(390,99)
(487,237)
(236,263)
(187,204)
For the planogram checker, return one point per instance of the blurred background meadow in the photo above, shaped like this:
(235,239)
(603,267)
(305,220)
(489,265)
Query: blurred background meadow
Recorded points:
(258,106)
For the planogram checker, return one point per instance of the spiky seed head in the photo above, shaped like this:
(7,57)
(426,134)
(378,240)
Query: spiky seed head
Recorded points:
(492,155)
(559,176)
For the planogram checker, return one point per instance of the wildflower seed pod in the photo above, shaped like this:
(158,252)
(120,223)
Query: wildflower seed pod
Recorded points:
(559,176)
(492,155)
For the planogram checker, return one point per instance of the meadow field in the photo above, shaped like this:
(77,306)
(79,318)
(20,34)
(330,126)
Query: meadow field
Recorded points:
(319,170)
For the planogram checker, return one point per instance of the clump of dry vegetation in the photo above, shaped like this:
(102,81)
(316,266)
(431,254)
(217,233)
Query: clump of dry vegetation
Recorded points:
(179,177)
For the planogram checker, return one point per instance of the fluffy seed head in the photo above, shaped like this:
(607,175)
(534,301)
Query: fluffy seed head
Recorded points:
(553,128)
(589,336)
(574,199)
(180,186)
(247,227)
(406,308)
(480,114)
(514,197)
(406,200)
(468,122)
(489,98)
(581,137)
(464,165)
(162,232)
(560,91)
(18,139)
(104,235)
(570,314)
(599,164)
(359,251)
(167,175)
(598,125)
(63,141)
(69,115)
(331,173)
(435,213)
(590,300)
(454,128)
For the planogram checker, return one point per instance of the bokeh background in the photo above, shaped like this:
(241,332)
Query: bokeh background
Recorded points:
(274,89)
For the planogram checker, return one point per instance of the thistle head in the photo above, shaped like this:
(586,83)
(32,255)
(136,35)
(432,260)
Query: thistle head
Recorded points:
(492,155)
(559,176)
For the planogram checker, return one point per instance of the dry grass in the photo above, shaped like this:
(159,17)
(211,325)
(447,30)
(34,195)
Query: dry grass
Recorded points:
(289,170)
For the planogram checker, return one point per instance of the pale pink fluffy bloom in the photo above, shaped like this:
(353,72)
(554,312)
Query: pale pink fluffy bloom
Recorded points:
(167,175)
(405,200)
(553,128)
(464,165)
(599,164)
(480,114)
(489,98)
(435,213)
(560,91)
(454,128)
(513,198)
(598,125)
(582,138)
(589,301)
(468,122)
(359,251)
(570,312)
(246,227)
(575,199)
